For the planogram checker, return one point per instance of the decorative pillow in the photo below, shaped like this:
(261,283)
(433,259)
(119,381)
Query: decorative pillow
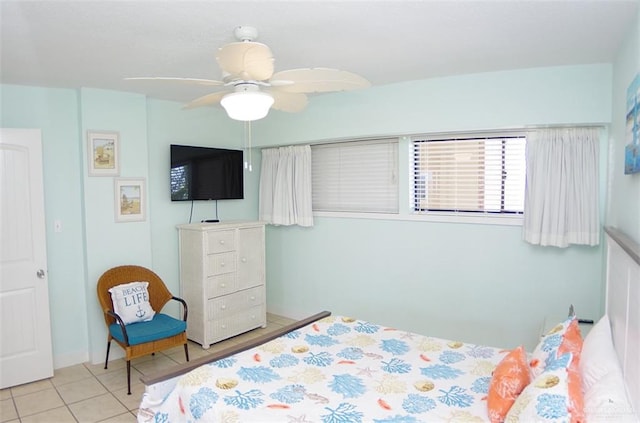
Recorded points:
(546,399)
(572,343)
(509,378)
(598,356)
(548,346)
(131,302)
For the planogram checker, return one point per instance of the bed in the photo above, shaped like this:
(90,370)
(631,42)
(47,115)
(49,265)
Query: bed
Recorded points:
(329,368)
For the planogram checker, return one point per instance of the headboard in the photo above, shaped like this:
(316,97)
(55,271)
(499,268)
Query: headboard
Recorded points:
(623,306)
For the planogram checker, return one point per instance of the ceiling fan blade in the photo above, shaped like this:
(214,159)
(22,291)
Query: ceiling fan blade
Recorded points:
(206,100)
(246,60)
(288,102)
(318,80)
(208,82)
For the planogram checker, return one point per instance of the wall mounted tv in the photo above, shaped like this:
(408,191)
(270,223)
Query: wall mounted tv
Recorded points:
(204,173)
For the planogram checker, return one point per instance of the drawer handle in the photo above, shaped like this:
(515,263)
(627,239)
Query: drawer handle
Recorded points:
(222,264)
(223,285)
(224,326)
(222,242)
(252,298)
(224,307)
(243,259)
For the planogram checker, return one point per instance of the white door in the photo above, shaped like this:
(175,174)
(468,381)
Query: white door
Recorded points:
(25,329)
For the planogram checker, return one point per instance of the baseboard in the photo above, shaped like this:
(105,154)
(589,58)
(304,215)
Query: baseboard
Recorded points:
(114,354)
(66,360)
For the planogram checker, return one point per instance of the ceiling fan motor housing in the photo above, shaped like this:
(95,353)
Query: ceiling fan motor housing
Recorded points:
(246,33)
(245,86)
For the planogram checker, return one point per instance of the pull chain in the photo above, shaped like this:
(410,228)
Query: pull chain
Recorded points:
(247,146)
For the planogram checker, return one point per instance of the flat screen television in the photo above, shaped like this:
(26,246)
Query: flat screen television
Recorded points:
(205,173)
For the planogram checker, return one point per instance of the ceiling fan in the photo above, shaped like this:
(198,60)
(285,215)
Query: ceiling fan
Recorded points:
(249,86)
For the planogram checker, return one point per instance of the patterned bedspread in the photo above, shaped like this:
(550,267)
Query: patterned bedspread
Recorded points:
(337,369)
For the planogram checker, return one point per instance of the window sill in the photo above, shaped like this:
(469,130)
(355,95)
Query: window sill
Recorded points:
(469,218)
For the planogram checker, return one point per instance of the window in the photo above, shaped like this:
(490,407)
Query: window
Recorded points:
(355,176)
(469,174)
(180,182)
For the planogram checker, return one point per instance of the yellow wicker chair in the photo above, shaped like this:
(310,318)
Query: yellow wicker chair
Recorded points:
(139,339)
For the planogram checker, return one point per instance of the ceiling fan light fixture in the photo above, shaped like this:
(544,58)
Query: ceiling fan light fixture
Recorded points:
(247,105)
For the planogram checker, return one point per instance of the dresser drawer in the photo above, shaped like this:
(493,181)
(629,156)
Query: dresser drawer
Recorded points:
(236,324)
(222,307)
(218,264)
(219,285)
(221,241)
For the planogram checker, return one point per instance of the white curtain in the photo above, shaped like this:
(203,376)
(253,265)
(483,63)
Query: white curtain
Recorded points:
(561,196)
(285,186)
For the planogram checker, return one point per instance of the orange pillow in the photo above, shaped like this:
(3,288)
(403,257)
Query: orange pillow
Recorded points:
(509,378)
(572,343)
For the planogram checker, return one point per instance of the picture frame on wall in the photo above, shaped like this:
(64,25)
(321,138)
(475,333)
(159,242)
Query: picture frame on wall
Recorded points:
(103,149)
(632,149)
(130,199)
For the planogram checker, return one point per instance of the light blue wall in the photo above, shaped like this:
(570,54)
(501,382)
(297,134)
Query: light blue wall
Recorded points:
(110,243)
(477,283)
(623,205)
(544,96)
(473,282)
(55,112)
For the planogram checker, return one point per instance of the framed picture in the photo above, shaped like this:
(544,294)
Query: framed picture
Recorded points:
(130,199)
(632,150)
(103,149)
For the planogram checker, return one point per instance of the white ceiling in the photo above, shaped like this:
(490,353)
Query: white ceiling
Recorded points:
(76,44)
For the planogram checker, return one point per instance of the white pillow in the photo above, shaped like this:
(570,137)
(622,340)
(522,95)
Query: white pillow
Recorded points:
(547,347)
(131,302)
(546,398)
(607,400)
(598,356)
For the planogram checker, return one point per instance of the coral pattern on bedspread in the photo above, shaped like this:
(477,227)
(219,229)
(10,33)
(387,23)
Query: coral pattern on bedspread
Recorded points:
(336,370)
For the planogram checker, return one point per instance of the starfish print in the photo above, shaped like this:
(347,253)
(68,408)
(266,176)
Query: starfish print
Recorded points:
(366,371)
(407,335)
(299,419)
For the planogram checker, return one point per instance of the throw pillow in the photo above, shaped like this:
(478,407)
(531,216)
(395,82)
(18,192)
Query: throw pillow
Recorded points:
(509,378)
(547,348)
(572,343)
(131,302)
(546,398)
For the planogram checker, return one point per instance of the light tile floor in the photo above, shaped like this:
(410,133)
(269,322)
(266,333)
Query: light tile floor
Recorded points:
(89,393)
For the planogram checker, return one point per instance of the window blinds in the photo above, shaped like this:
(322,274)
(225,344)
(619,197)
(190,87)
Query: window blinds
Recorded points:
(482,174)
(356,176)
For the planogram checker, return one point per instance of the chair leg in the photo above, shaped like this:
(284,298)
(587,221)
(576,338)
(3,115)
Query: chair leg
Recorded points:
(106,361)
(128,377)
(186,351)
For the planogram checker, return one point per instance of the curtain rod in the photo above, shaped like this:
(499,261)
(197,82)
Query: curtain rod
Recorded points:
(512,130)
(379,137)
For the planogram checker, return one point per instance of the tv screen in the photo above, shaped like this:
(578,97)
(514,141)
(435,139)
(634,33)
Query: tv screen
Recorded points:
(204,173)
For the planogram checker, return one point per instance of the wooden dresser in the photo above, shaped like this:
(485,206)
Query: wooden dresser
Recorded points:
(222,279)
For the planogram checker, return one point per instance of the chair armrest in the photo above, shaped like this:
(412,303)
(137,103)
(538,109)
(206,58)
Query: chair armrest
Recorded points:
(184,304)
(120,323)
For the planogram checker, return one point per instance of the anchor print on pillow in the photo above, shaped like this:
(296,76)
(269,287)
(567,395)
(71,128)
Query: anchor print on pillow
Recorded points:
(131,302)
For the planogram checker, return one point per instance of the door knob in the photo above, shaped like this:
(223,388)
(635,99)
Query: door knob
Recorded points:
(40,274)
